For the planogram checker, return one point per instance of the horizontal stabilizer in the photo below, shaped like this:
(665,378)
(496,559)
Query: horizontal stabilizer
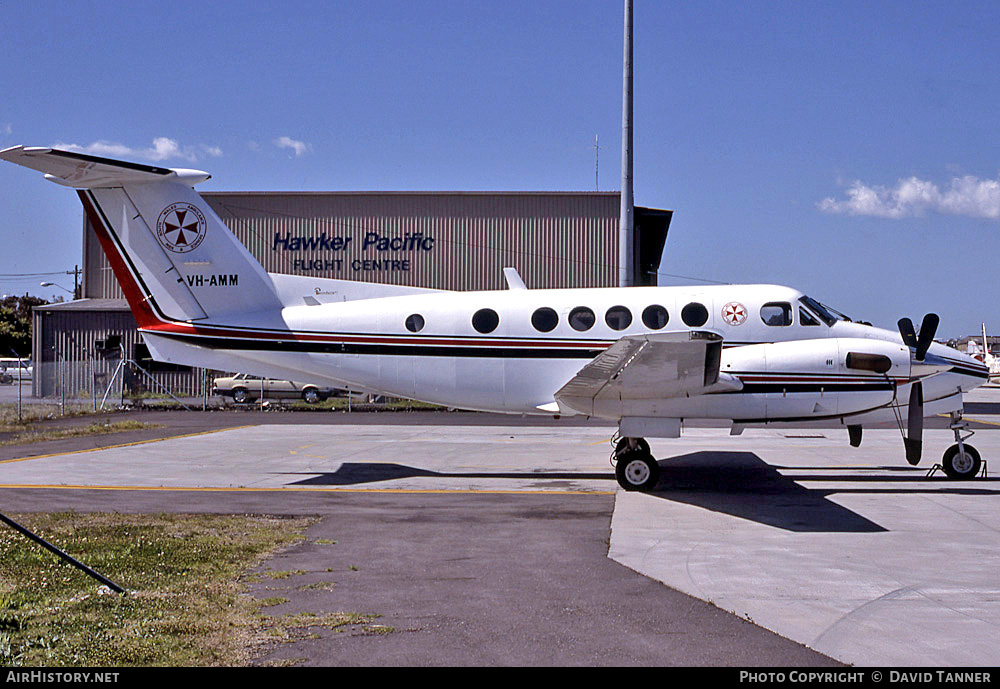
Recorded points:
(83,171)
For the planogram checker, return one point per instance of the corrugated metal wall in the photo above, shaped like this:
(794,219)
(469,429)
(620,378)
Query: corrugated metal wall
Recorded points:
(67,362)
(554,239)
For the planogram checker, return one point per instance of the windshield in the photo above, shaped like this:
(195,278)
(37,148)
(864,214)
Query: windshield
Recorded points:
(826,314)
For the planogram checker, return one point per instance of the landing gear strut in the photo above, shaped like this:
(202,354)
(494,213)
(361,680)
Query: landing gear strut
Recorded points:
(635,467)
(961,461)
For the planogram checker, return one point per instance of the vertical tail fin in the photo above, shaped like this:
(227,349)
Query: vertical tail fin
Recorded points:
(174,257)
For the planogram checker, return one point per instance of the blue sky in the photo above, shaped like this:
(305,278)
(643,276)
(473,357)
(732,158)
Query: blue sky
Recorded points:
(849,149)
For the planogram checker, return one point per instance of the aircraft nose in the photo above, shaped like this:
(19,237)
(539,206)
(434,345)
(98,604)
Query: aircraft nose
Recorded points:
(961,362)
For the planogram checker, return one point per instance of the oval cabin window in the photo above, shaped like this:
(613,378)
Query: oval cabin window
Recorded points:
(415,323)
(618,318)
(545,319)
(485,320)
(581,318)
(694,315)
(655,317)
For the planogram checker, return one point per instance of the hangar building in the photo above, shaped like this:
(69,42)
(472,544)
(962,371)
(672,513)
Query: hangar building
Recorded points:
(443,240)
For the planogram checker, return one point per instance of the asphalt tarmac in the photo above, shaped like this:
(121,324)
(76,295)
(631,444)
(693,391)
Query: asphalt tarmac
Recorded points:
(482,540)
(463,576)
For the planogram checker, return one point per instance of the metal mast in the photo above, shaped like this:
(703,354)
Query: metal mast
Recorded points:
(626,231)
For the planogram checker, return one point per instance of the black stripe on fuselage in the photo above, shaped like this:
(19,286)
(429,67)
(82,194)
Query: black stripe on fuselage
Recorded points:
(973,372)
(782,387)
(311,347)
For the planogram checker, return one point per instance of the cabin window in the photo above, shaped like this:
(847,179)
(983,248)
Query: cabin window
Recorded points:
(545,319)
(415,323)
(485,320)
(618,318)
(776,313)
(694,315)
(655,317)
(581,318)
(806,318)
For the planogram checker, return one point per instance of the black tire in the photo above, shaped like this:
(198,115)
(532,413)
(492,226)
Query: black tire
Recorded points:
(6,379)
(312,396)
(637,471)
(959,466)
(242,396)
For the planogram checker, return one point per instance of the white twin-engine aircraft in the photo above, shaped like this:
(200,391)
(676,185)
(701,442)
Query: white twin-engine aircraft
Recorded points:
(644,357)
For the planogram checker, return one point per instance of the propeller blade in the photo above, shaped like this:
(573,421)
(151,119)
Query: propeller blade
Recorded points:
(915,424)
(907,332)
(928,328)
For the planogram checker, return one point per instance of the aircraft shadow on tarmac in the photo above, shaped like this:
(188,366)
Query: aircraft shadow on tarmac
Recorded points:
(743,485)
(354,473)
(740,484)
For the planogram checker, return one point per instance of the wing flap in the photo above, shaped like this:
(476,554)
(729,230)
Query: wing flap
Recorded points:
(648,367)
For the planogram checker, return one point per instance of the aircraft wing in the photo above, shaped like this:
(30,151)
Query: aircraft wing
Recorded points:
(651,366)
(83,171)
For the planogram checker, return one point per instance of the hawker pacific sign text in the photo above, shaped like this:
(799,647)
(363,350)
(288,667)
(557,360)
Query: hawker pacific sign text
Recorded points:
(392,253)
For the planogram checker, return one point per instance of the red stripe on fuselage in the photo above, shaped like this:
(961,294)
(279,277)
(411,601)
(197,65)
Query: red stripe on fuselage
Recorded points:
(137,301)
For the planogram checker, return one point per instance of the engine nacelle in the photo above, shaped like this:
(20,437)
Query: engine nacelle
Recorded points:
(818,378)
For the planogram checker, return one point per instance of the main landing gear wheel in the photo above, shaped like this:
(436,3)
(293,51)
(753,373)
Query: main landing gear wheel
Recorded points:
(961,462)
(635,467)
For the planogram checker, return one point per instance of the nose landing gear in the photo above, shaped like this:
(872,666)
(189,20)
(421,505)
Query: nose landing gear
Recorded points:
(635,467)
(961,461)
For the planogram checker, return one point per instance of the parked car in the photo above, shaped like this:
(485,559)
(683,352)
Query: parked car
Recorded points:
(245,388)
(9,372)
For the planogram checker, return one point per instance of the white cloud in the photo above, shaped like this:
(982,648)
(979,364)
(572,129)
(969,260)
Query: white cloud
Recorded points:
(967,196)
(163,148)
(300,147)
(6,128)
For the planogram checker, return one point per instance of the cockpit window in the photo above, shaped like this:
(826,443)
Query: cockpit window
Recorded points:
(776,313)
(818,309)
(806,318)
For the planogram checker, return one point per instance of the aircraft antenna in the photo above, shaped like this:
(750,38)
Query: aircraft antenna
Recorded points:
(597,161)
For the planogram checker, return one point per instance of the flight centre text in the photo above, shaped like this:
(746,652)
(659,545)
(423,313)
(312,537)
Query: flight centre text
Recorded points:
(326,251)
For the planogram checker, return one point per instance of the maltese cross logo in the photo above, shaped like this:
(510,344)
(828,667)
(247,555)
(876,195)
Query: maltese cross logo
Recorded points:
(734,313)
(181,227)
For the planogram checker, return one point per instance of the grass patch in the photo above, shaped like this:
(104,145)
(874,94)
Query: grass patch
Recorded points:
(32,413)
(35,435)
(186,603)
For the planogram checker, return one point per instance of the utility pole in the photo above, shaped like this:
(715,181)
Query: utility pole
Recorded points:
(76,280)
(626,227)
